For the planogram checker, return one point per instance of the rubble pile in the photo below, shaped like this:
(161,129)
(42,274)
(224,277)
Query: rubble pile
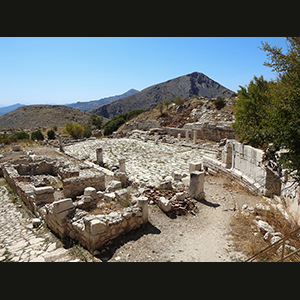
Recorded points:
(170,201)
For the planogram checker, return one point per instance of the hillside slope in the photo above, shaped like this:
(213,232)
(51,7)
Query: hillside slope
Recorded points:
(187,86)
(88,105)
(32,116)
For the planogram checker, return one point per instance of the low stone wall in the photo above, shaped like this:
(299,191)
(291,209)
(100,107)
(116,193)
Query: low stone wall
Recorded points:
(92,231)
(75,186)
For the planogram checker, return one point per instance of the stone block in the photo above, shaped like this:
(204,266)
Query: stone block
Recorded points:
(164,204)
(196,185)
(113,186)
(43,190)
(165,185)
(180,196)
(109,196)
(16,148)
(195,167)
(97,227)
(62,205)
(90,191)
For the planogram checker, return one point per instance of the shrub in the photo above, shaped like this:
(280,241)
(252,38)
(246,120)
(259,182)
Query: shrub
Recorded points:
(4,139)
(87,131)
(220,103)
(37,135)
(21,135)
(75,130)
(117,121)
(51,134)
(95,120)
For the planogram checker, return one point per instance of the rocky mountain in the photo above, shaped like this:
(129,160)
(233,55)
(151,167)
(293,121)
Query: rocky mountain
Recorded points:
(33,116)
(6,109)
(186,86)
(88,105)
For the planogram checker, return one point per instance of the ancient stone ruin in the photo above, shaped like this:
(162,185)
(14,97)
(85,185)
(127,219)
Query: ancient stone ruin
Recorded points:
(63,194)
(69,196)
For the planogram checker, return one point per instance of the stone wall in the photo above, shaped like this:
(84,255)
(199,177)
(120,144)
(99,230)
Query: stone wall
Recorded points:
(212,131)
(245,165)
(66,217)
(92,231)
(75,186)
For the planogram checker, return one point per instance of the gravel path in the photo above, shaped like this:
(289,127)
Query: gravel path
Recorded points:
(200,238)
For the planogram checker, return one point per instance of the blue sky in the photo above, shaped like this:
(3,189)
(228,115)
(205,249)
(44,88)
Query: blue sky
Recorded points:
(41,70)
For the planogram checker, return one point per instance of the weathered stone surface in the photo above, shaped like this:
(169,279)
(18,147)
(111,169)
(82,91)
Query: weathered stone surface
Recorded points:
(62,205)
(196,185)
(113,186)
(164,204)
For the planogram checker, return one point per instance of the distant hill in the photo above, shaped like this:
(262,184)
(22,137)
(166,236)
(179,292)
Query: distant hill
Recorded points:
(6,109)
(187,86)
(45,116)
(88,105)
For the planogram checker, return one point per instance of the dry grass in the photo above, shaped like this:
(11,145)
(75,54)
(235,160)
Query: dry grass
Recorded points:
(248,239)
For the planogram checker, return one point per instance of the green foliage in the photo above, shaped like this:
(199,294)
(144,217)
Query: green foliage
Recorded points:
(87,131)
(178,100)
(267,114)
(51,134)
(75,130)
(160,107)
(117,121)
(252,112)
(55,128)
(4,139)
(220,103)
(20,135)
(167,102)
(37,135)
(285,125)
(95,120)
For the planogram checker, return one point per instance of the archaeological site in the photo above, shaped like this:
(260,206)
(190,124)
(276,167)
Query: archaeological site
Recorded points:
(146,193)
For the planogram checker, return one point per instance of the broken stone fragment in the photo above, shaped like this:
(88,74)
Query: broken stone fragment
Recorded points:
(164,204)
(90,191)
(36,222)
(113,186)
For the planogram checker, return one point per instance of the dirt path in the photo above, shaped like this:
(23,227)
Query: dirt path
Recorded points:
(200,238)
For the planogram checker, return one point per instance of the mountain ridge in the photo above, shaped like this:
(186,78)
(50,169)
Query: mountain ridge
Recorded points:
(186,86)
(88,105)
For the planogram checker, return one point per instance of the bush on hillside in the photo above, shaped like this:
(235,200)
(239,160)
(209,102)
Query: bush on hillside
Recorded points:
(75,130)
(51,134)
(20,135)
(37,135)
(117,121)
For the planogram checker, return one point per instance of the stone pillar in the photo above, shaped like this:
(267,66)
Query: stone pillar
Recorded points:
(187,133)
(143,203)
(99,156)
(61,149)
(195,167)
(179,137)
(195,137)
(122,164)
(197,185)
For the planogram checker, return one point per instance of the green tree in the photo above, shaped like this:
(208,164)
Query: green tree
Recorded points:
(51,134)
(160,107)
(253,111)
(95,120)
(75,130)
(37,135)
(167,102)
(285,125)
